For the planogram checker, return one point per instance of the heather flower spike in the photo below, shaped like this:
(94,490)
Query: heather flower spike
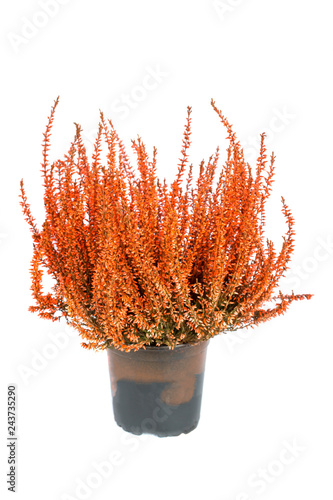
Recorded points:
(136,262)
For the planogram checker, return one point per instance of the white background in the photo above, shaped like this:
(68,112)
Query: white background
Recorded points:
(267,64)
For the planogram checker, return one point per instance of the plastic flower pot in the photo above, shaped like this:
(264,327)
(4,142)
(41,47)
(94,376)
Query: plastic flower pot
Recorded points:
(158,390)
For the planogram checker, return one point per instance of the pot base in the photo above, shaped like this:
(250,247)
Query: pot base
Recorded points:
(139,409)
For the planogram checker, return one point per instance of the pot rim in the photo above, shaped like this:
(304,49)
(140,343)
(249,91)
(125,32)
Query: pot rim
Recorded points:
(161,347)
(160,353)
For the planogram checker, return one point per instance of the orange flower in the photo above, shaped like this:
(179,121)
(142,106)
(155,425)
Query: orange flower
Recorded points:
(136,262)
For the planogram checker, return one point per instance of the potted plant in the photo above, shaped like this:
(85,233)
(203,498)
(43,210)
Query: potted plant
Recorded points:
(151,272)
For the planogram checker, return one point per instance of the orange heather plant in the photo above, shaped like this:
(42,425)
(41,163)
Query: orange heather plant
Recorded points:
(135,262)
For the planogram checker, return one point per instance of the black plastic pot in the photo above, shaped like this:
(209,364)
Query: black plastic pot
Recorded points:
(158,390)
